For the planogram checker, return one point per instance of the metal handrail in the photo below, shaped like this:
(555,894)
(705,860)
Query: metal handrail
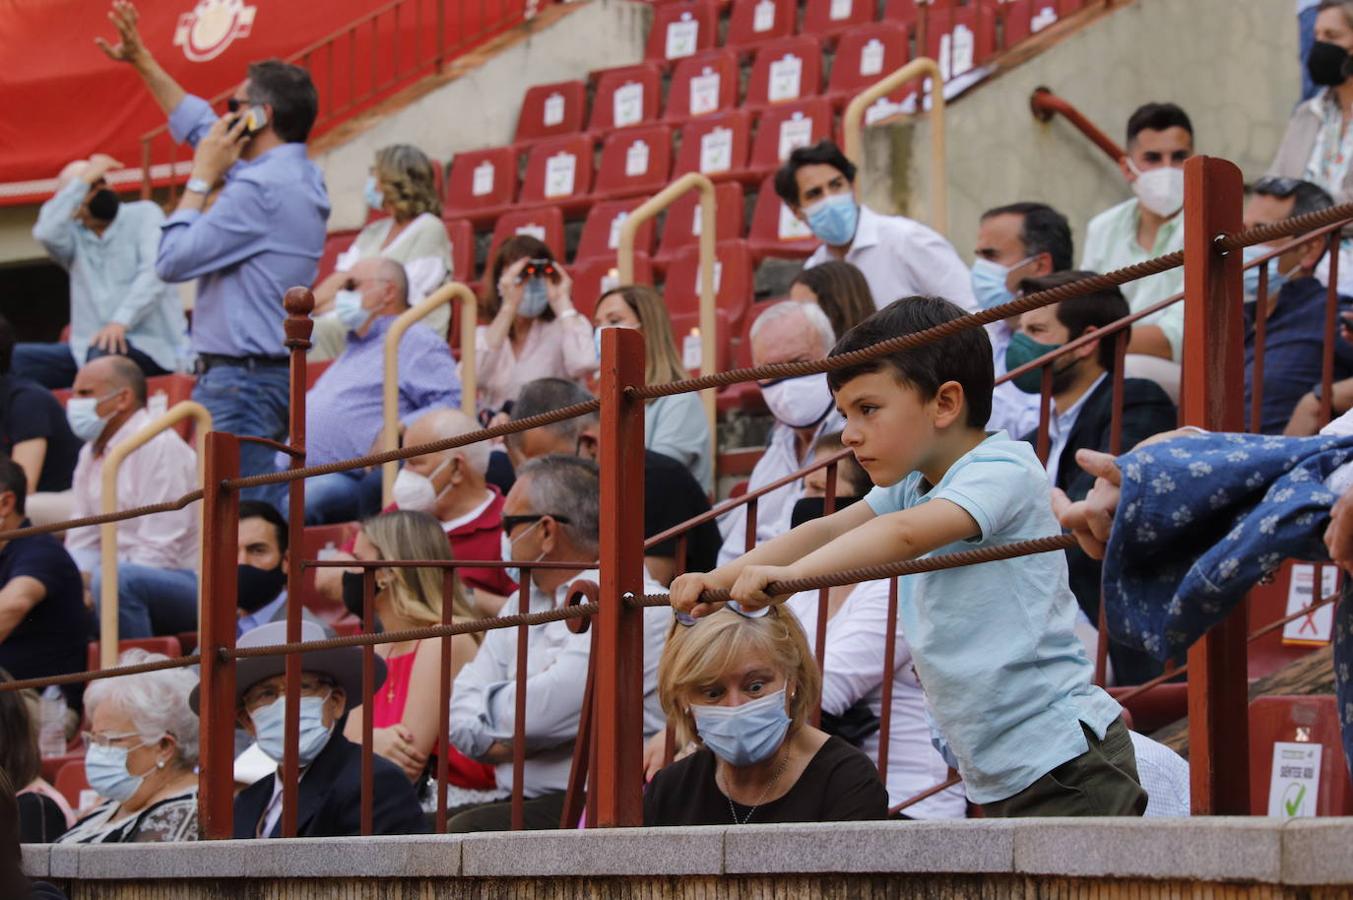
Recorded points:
(469,320)
(852,119)
(1045,104)
(108,598)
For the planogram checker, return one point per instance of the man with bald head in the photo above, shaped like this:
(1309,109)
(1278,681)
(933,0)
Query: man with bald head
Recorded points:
(117,302)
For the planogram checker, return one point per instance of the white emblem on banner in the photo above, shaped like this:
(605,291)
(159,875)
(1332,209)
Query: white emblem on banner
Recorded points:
(211,27)
(483,179)
(554,110)
(691,351)
(956,52)
(786,73)
(791,229)
(1295,781)
(636,159)
(871,57)
(881,109)
(795,132)
(705,92)
(840,10)
(1045,16)
(764,17)
(613,241)
(559,172)
(1316,627)
(682,37)
(532,230)
(627,106)
(716,150)
(718,277)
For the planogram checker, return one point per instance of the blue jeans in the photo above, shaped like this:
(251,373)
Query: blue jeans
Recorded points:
(151,601)
(53,366)
(336,497)
(1305,38)
(251,401)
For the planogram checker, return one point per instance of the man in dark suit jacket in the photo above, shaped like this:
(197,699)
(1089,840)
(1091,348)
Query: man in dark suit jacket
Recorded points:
(1082,416)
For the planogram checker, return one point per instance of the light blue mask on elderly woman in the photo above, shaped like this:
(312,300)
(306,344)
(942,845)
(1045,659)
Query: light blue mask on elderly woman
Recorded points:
(747,734)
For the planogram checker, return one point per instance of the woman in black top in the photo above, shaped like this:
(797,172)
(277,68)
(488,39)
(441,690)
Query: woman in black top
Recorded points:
(42,816)
(743,688)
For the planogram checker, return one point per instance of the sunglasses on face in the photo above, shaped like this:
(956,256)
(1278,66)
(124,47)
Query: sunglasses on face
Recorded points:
(510,523)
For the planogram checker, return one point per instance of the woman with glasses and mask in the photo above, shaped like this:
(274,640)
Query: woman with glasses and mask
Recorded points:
(742,688)
(140,756)
(405,711)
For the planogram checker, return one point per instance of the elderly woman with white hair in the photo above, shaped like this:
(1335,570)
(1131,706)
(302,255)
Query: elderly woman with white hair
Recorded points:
(141,757)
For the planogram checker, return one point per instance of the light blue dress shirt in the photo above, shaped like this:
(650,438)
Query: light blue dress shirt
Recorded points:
(677,426)
(112,277)
(262,235)
(263,615)
(994,644)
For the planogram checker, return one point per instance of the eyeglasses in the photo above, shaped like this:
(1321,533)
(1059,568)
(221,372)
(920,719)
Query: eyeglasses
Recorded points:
(510,523)
(688,620)
(94,739)
(267,696)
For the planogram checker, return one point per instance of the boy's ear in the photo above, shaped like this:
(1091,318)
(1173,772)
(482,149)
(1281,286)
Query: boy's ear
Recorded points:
(950,404)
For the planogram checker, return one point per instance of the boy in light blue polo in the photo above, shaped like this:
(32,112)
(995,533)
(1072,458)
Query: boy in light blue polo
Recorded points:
(1007,679)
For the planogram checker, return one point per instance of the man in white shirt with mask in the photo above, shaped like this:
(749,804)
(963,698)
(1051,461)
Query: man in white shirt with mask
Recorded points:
(803,408)
(899,257)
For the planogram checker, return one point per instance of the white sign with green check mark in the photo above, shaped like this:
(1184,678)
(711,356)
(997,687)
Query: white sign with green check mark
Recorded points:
(1295,782)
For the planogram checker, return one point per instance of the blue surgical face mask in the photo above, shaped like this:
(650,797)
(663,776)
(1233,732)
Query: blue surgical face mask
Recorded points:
(747,734)
(371,193)
(1276,279)
(83,417)
(505,549)
(988,281)
(270,720)
(348,307)
(535,297)
(833,219)
(106,770)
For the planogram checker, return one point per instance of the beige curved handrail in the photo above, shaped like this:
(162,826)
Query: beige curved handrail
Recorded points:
(108,600)
(852,119)
(708,320)
(469,319)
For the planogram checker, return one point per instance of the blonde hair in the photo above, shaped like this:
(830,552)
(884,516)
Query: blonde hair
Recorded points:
(409,179)
(702,653)
(416,594)
(662,360)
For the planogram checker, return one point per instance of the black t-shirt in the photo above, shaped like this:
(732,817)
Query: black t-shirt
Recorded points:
(672,496)
(27,411)
(51,639)
(40,819)
(840,784)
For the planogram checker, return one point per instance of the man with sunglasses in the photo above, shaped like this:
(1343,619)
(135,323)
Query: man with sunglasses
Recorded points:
(262,234)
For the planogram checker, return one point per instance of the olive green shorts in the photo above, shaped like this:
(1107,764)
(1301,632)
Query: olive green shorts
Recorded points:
(1102,781)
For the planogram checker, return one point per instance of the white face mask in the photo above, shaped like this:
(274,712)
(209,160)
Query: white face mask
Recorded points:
(1159,190)
(416,493)
(799,402)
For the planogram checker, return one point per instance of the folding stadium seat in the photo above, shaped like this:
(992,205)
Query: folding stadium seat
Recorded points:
(960,38)
(1309,726)
(335,242)
(775,231)
(543,222)
(732,281)
(460,233)
(903,11)
(550,110)
(626,97)
(635,161)
(314,540)
(72,783)
(601,232)
(715,145)
(175,389)
(682,29)
(783,129)
(482,185)
(1269,603)
(831,18)
(559,172)
(753,23)
(596,276)
(1022,18)
(703,85)
(785,71)
(686,332)
(313,370)
(682,227)
(863,56)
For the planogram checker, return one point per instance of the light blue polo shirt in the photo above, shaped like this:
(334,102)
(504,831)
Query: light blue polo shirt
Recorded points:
(1007,678)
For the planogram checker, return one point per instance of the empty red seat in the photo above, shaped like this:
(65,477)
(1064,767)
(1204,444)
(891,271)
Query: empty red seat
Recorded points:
(335,242)
(863,56)
(546,223)
(1021,18)
(174,389)
(559,171)
(960,38)
(461,235)
(775,230)
(682,29)
(715,145)
(785,71)
(1312,779)
(1269,603)
(686,332)
(71,782)
(315,539)
(830,18)
(702,85)
(551,110)
(594,277)
(682,226)
(732,281)
(782,129)
(625,97)
(482,185)
(754,22)
(168,645)
(635,161)
(601,231)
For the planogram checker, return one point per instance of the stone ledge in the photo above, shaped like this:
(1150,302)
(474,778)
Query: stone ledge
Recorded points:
(1316,851)
(628,851)
(970,846)
(37,860)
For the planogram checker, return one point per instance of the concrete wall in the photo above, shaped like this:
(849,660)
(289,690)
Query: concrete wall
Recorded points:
(1232,65)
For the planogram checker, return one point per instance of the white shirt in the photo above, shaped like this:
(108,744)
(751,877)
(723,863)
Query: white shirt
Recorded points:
(483,702)
(1013,411)
(774,510)
(853,670)
(1164,775)
(900,257)
(1060,427)
(162,469)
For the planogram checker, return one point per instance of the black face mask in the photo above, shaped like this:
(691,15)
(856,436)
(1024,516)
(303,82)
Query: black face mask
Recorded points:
(1327,63)
(255,588)
(810,508)
(103,205)
(352,597)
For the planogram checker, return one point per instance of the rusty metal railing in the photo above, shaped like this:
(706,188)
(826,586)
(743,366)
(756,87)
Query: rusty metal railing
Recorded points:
(1045,105)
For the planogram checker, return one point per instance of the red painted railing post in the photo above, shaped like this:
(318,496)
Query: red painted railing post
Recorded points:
(220,522)
(1214,362)
(619,696)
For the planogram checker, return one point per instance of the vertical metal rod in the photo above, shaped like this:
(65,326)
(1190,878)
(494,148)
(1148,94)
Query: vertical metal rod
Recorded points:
(519,714)
(823,596)
(750,542)
(1043,443)
(1260,344)
(444,699)
(669,735)
(1331,335)
(368,697)
(889,673)
(1115,447)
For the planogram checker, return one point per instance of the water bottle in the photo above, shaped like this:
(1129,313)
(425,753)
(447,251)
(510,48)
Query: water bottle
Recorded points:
(52,737)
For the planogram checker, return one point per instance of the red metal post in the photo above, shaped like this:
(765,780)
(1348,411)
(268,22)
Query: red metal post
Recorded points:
(749,540)
(519,709)
(1260,344)
(444,700)
(824,596)
(1213,364)
(1331,335)
(221,524)
(1045,104)
(1120,342)
(368,800)
(618,779)
(889,672)
(1043,441)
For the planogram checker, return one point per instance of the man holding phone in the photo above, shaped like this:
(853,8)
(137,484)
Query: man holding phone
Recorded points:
(262,234)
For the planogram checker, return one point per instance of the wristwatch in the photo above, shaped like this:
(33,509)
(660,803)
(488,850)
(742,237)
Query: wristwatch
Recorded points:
(198,186)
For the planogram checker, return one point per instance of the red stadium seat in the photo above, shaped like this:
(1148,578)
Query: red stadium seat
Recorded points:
(626,97)
(635,161)
(176,388)
(682,29)
(543,222)
(551,110)
(732,281)
(71,782)
(169,646)
(52,765)
(782,129)
(682,226)
(831,18)
(715,145)
(594,277)
(460,232)
(559,172)
(314,540)
(1269,603)
(753,23)
(775,230)
(1022,18)
(483,184)
(313,370)
(601,231)
(1306,723)
(960,38)
(785,71)
(334,243)
(686,332)
(702,85)
(863,56)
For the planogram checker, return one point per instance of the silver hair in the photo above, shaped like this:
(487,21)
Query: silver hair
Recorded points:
(788,308)
(567,486)
(545,395)
(157,702)
(446,423)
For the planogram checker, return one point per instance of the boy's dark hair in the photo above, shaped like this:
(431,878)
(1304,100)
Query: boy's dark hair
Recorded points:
(964,357)
(258,509)
(1157,117)
(824,152)
(1309,197)
(1044,230)
(1097,310)
(6,345)
(13,480)
(291,94)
